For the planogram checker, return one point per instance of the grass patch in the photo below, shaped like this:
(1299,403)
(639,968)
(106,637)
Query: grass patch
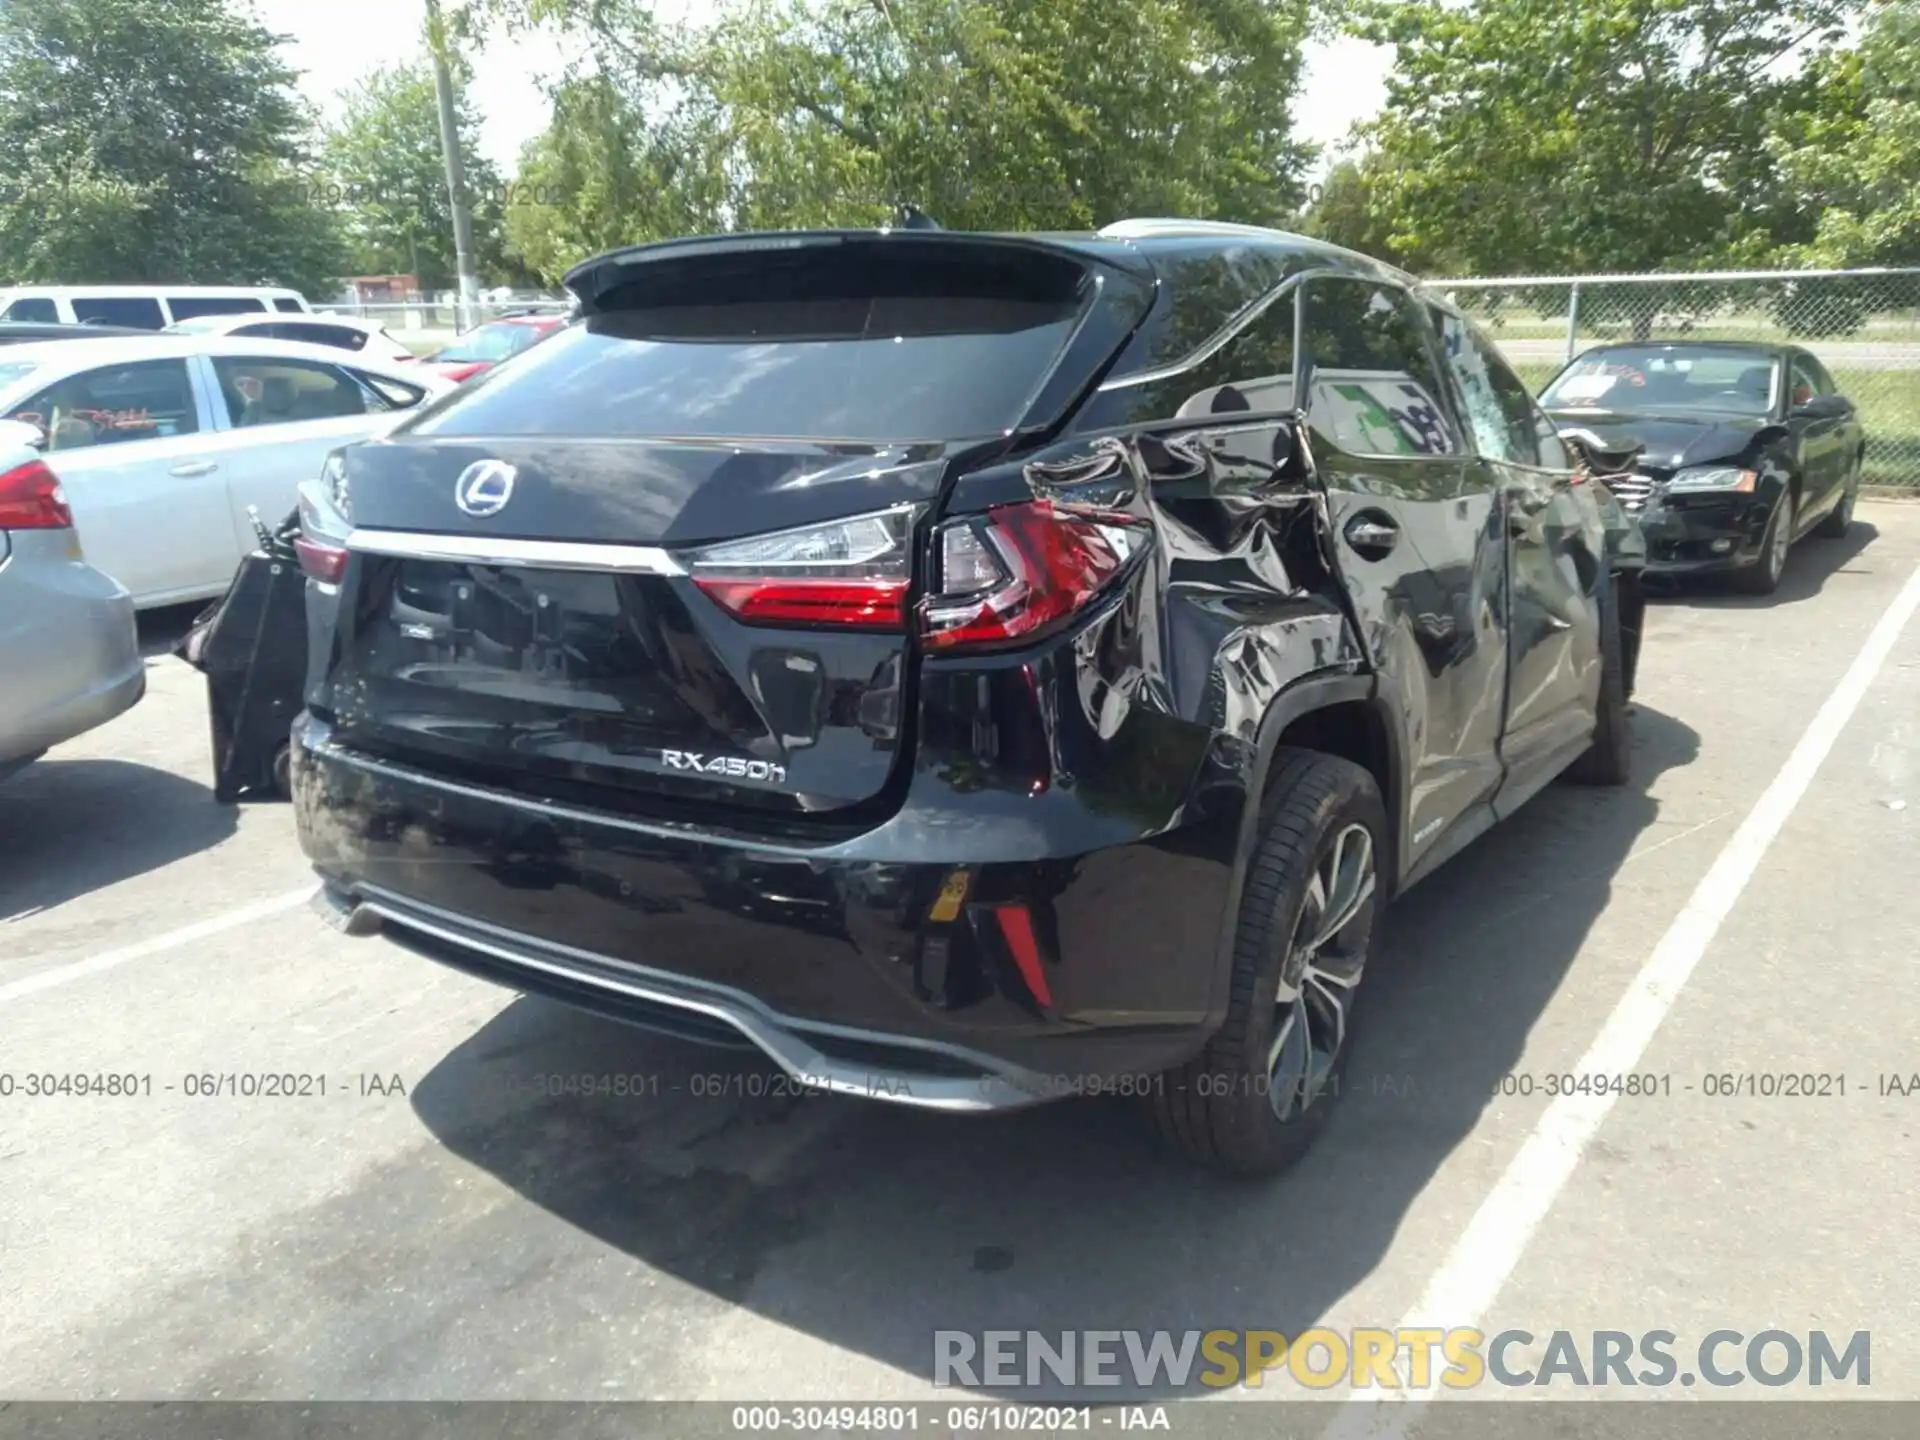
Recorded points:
(1536,373)
(1889,402)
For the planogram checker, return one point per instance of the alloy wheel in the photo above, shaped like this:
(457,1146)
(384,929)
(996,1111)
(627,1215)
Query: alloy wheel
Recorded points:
(1321,974)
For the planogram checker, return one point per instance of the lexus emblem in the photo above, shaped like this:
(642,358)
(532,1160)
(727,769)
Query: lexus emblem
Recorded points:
(484,487)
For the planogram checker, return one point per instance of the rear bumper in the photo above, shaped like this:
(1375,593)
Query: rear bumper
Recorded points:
(840,961)
(913,1073)
(69,650)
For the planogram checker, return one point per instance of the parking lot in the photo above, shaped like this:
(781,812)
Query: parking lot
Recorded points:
(421,1221)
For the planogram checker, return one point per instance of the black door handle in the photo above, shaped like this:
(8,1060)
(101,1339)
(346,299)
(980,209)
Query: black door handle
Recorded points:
(1372,535)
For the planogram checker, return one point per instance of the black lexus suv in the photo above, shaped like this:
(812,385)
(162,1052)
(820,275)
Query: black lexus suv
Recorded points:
(975,669)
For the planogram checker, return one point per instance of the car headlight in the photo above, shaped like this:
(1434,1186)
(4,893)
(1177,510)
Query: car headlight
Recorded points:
(1715,477)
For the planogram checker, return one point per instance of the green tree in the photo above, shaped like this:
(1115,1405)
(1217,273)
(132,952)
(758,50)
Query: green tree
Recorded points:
(1014,113)
(383,155)
(1605,135)
(1851,154)
(990,114)
(603,176)
(1347,209)
(152,140)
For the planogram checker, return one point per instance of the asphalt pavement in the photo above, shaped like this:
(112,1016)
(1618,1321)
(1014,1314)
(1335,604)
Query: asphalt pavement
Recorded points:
(418,1220)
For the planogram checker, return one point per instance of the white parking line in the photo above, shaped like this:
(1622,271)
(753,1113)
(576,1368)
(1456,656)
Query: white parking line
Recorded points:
(172,940)
(1463,1289)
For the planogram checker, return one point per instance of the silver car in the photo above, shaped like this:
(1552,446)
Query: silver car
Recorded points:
(68,648)
(165,442)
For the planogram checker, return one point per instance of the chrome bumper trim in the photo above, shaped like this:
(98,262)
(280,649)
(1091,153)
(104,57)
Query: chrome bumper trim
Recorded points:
(539,554)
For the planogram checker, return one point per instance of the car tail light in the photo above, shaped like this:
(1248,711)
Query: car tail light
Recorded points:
(322,541)
(31,499)
(1018,570)
(850,573)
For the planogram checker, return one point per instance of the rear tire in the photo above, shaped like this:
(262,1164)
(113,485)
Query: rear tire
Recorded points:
(1763,577)
(1257,1096)
(1609,759)
(281,774)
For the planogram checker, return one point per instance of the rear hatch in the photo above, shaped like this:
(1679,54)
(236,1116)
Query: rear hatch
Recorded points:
(664,560)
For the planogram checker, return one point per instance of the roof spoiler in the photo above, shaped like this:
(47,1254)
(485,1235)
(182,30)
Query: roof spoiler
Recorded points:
(596,283)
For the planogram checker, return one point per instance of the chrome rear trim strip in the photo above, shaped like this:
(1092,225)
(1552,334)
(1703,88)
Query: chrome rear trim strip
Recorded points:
(538,554)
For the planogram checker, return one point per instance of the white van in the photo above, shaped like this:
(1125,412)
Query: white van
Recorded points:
(142,307)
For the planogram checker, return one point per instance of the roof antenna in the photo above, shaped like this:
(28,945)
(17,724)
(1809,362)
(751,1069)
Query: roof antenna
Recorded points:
(912,217)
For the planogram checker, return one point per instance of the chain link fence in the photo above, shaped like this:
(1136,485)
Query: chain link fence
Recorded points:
(1864,325)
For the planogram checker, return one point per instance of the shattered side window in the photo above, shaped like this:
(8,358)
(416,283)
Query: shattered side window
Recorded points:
(1495,403)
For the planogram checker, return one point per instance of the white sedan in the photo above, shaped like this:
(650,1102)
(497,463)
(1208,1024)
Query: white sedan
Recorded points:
(163,442)
(368,339)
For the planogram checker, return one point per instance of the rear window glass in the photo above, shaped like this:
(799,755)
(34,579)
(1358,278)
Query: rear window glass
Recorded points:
(1200,295)
(139,311)
(396,394)
(837,346)
(340,336)
(187,307)
(31,307)
(290,307)
(14,371)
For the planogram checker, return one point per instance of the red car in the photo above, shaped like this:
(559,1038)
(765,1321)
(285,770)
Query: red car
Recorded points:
(487,345)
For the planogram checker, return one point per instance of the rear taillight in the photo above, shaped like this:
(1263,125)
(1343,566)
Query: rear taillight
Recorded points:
(325,563)
(31,499)
(1018,570)
(322,541)
(850,573)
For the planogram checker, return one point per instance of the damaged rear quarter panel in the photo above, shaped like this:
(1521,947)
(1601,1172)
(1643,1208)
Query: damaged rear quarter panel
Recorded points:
(1128,753)
(1250,606)
(1142,729)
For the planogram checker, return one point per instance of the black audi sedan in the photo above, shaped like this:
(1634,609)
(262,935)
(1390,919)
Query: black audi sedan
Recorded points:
(1747,448)
(973,669)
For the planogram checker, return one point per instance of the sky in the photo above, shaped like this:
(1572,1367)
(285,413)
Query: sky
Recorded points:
(334,44)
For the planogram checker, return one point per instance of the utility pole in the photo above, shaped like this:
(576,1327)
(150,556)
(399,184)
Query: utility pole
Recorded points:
(467,311)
